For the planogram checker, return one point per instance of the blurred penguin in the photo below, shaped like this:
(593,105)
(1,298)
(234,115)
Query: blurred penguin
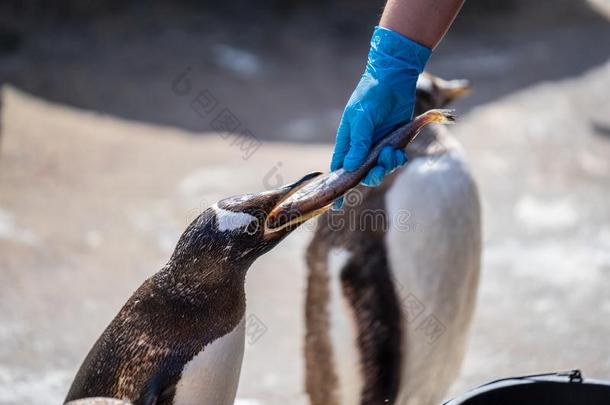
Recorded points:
(393,276)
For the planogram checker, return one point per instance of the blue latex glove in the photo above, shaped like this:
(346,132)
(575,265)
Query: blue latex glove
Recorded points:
(382,101)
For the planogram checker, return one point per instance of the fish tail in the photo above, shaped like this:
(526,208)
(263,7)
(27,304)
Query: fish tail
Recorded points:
(436,116)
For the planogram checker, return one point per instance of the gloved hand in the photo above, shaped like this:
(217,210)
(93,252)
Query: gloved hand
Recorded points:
(382,101)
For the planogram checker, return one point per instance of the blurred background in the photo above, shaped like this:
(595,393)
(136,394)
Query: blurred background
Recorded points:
(109,146)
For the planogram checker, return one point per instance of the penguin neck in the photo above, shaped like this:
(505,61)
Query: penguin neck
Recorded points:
(193,312)
(209,288)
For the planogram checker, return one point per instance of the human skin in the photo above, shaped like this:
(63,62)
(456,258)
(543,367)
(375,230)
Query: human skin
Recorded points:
(385,94)
(423,21)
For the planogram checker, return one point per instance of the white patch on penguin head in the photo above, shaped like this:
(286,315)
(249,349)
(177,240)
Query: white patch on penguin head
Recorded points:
(230,221)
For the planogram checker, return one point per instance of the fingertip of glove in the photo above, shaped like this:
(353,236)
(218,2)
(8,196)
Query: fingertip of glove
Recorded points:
(374,177)
(401,157)
(337,204)
(352,163)
(387,158)
(335,163)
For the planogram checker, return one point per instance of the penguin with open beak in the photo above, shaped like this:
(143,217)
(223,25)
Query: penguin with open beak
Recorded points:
(180,338)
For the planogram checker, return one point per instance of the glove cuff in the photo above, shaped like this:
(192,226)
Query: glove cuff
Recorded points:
(389,48)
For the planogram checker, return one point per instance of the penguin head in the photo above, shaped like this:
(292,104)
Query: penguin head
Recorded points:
(232,233)
(434,92)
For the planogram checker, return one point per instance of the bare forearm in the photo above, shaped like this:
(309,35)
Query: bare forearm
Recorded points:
(423,21)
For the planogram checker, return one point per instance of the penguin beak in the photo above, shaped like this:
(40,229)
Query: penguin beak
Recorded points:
(452,90)
(308,200)
(291,191)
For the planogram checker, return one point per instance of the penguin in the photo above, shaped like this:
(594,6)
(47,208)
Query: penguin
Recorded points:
(179,339)
(393,275)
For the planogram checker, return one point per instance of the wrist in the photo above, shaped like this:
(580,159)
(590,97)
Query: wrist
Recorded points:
(393,52)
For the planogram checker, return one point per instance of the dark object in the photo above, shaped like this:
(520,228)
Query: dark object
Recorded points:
(565,388)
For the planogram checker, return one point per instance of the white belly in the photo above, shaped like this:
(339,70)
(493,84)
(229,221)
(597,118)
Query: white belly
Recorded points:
(343,333)
(436,263)
(212,376)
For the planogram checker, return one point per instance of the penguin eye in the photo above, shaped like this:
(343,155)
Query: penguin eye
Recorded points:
(258,219)
(253,227)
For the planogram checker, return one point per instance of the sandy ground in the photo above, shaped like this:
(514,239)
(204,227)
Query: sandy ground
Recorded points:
(92,204)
